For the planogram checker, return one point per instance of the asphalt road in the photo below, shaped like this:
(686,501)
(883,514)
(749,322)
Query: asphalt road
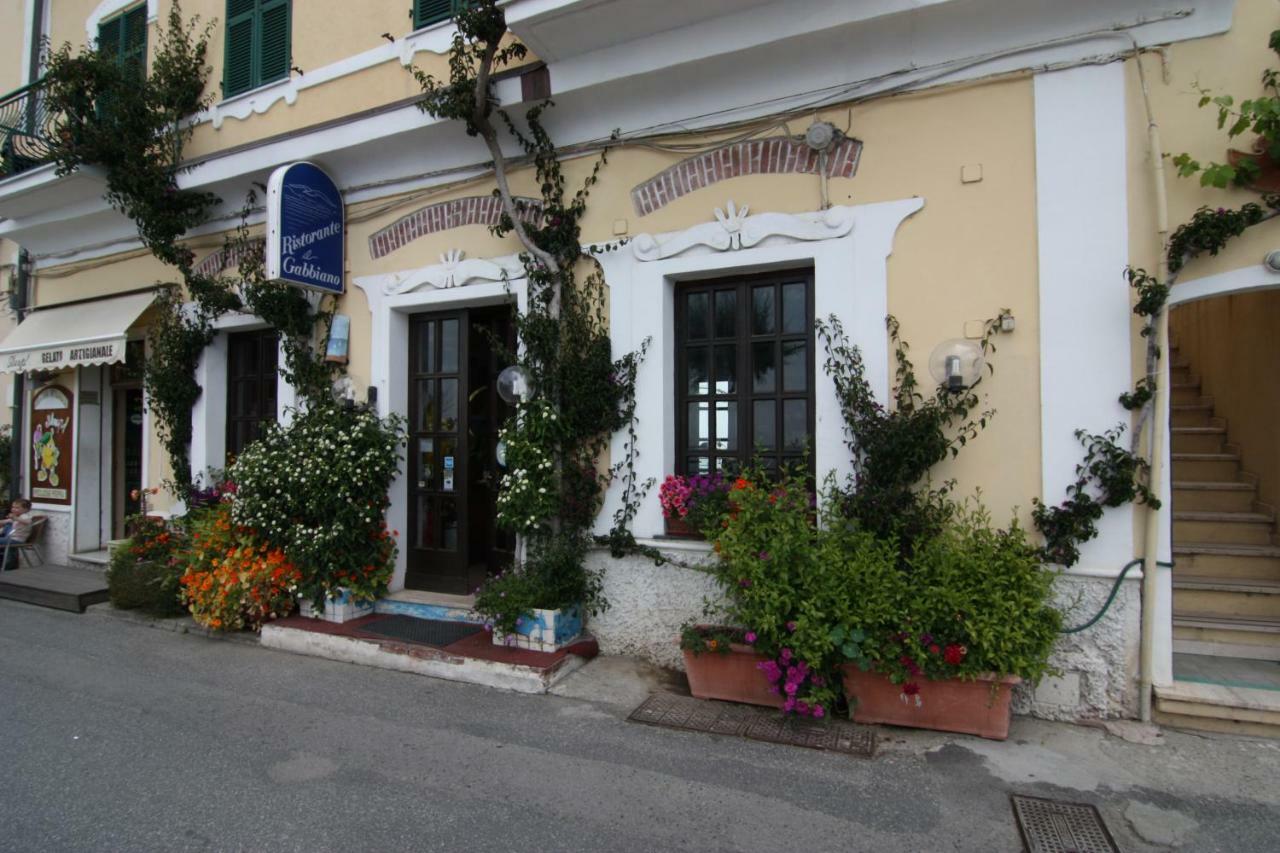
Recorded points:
(114,736)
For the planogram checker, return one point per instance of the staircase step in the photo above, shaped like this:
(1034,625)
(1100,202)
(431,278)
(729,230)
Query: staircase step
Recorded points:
(1227,598)
(1205,466)
(1241,528)
(1197,439)
(1213,707)
(1194,414)
(1201,559)
(1209,634)
(1185,392)
(1207,496)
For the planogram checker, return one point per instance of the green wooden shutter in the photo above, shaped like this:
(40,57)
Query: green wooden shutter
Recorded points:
(237,61)
(133,40)
(109,36)
(431,11)
(273,53)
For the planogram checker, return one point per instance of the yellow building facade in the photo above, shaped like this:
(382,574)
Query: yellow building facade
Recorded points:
(942,162)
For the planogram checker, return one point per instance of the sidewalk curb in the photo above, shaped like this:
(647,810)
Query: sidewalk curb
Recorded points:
(176,625)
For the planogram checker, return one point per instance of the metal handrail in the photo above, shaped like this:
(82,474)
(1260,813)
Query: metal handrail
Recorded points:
(26,126)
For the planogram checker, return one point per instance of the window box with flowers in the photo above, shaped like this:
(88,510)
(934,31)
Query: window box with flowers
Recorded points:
(689,504)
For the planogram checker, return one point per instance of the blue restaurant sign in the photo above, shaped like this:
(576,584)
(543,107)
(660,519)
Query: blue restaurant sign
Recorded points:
(305,239)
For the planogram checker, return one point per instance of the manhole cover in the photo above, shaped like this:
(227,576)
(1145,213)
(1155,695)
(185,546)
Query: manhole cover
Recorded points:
(427,632)
(1051,826)
(698,715)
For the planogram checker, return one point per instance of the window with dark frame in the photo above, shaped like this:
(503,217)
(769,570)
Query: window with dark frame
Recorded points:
(258,44)
(252,378)
(744,373)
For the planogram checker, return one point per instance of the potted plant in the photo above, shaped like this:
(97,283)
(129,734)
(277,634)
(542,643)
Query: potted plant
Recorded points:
(689,504)
(942,642)
(542,603)
(722,663)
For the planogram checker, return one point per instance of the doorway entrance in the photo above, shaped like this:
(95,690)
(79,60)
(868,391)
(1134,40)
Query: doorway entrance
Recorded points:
(126,474)
(455,416)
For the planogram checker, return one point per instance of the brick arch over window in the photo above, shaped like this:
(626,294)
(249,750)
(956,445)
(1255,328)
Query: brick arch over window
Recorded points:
(472,210)
(217,261)
(773,156)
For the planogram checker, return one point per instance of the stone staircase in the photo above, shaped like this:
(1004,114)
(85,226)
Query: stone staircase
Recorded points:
(1226,580)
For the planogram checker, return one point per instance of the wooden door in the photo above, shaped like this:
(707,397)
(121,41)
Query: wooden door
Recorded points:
(252,380)
(455,415)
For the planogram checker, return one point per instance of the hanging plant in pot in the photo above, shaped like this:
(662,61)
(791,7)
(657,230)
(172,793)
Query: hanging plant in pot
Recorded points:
(691,504)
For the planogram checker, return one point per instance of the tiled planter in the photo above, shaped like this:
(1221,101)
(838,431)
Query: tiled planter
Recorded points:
(979,707)
(342,608)
(732,677)
(544,630)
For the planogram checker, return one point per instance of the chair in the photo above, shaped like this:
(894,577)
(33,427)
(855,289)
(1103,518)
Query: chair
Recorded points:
(31,546)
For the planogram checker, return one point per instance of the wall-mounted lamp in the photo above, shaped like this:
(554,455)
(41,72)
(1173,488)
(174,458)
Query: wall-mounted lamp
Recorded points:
(515,385)
(957,364)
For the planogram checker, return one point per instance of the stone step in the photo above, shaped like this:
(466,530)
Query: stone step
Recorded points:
(1238,528)
(1181,373)
(425,605)
(1226,598)
(1213,497)
(1205,466)
(1195,414)
(1207,634)
(1214,707)
(1208,439)
(1226,561)
(1185,392)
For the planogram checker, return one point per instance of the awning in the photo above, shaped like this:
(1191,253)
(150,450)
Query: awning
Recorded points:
(73,335)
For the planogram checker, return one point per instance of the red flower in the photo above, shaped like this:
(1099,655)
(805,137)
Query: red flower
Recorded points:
(911,688)
(954,654)
(934,649)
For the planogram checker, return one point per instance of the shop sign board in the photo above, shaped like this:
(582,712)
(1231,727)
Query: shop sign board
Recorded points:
(306,242)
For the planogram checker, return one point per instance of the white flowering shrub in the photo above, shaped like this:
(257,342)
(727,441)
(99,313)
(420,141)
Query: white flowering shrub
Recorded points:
(529,496)
(317,489)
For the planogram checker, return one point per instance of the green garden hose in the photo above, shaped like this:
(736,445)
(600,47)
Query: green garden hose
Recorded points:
(1115,588)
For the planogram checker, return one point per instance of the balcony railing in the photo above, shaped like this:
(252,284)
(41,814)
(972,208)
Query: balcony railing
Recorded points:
(25,128)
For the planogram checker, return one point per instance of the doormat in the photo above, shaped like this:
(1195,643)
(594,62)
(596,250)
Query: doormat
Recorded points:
(670,711)
(1053,826)
(427,632)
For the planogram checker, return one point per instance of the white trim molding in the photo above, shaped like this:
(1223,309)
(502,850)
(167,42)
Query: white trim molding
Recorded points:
(436,39)
(107,8)
(1242,280)
(846,247)
(452,284)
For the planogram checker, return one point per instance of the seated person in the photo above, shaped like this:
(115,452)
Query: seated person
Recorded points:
(17,529)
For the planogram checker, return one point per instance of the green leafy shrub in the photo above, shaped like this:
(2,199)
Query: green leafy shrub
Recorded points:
(974,599)
(144,571)
(317,490)
(554,576)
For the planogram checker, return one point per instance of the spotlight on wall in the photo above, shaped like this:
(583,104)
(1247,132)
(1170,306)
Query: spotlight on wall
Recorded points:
(515,385)
(957,364)
(1272,261)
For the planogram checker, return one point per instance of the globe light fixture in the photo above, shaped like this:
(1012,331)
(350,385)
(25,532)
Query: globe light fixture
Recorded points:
(515,385)
(957,364)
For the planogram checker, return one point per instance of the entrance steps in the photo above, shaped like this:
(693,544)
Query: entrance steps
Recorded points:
(1226,577)
(473,659)
(428,605)
(1238,697)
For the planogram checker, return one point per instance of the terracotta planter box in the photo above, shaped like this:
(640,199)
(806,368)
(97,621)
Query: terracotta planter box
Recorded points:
(979,707)
(680,528)
(732,677)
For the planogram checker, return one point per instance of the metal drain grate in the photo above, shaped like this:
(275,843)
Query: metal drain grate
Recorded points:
(1051,826)
(427,632)
(670,711)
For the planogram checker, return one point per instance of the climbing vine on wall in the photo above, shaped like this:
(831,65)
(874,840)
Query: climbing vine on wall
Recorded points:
(135,127)
(584,394)
(1111,475)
